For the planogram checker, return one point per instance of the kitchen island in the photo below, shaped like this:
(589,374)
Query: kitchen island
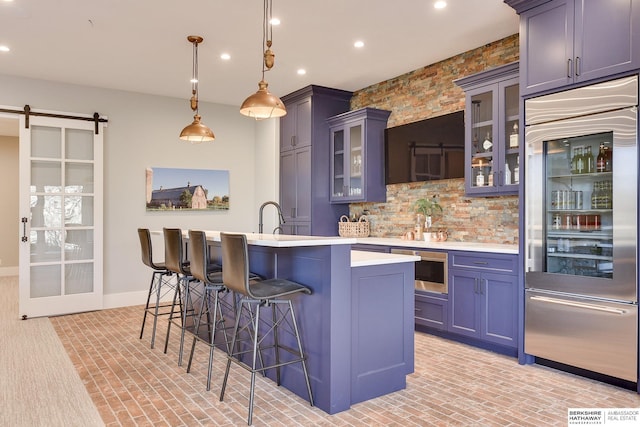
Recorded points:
(357,326)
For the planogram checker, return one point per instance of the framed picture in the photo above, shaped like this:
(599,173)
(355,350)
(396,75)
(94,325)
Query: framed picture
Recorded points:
(171,189)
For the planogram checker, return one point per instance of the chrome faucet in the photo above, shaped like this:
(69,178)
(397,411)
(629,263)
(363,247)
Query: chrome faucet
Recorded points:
(280,219)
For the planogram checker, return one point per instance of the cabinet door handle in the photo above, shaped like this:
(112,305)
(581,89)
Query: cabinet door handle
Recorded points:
(480,262)
(577,65)
(475,285)
(569,68)
(293,212)
(293,140)
(482,289)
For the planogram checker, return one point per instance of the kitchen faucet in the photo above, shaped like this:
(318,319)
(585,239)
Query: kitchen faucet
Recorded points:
(280,219)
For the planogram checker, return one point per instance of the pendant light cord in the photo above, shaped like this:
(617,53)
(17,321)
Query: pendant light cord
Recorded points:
(267,31)
(194,73)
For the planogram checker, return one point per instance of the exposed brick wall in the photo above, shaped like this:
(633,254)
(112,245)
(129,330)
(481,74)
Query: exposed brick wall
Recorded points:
(430,92)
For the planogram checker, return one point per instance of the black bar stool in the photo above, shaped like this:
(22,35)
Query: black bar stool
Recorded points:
(161,283)
(213,289)
(254,296)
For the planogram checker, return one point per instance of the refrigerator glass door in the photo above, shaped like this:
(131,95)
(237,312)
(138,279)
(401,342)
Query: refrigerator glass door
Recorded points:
(581,194)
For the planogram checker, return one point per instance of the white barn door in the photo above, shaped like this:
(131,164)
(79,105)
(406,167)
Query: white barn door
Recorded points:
(61,216)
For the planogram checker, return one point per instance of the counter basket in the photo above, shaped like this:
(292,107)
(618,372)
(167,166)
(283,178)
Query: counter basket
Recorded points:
(348,228)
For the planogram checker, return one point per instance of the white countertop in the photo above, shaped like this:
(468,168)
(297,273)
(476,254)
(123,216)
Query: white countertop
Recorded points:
(446,245)
(288,241)
(285,240)
(365,258)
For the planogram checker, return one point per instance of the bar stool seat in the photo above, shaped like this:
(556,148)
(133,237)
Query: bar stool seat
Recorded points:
(162,283)
(253,297)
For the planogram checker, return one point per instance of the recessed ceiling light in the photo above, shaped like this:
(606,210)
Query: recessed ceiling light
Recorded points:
(302,71)
(225,56)
(275,21)
(359,44)
(4,48)
(440,4)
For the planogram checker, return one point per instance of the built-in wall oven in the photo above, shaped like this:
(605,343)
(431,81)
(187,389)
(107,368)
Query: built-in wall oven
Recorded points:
(431,270)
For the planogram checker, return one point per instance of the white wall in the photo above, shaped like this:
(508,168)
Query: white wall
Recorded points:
(143,132)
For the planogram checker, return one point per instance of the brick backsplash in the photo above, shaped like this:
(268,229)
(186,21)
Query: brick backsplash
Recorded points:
(430,92)
(466,219)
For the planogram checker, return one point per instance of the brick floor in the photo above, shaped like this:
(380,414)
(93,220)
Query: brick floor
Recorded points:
(453,385)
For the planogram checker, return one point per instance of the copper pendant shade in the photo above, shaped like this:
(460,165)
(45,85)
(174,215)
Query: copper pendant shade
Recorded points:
(196,132)
(263,104)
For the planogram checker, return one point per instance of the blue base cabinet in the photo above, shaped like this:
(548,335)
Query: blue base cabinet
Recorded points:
(483,297)
(431,310)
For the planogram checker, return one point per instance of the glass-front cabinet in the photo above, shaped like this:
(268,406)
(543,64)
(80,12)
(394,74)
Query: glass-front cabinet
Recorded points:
(579,205)
(357,160)
(492,131)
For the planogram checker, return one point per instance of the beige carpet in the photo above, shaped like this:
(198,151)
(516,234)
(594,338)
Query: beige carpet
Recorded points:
(39,385)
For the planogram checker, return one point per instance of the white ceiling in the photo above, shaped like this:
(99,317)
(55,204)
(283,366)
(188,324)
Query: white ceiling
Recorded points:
(141,45)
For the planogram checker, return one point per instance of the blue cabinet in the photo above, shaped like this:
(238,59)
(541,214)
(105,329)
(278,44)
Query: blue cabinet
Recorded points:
(295,126)
(381,339)
(483,291)
(492,131)
(563,42)
(357,156)
(431,310)
(305,161)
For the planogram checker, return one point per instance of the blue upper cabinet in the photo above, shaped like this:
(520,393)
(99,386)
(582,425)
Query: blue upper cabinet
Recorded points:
(492,131)
(564,42)
(357,156)
(305,161)
(295,126)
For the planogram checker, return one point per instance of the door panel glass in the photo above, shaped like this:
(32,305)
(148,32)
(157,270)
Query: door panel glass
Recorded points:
(46,176)
(511,139)
(338,163)
(355,145)
(45,281)
(79,178)
(78,245)
(579,205)
(46,211)
(46,245)
(78,278)
(45,142)
(79,144)
(482,139)
(78,211)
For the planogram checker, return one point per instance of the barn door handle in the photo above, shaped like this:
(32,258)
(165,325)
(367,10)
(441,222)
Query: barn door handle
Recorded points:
(24,229)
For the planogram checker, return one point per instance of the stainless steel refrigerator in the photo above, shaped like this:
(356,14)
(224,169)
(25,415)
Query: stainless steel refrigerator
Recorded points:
(581,184)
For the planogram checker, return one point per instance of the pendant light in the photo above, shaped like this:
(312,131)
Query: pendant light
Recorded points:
(263,104)
(196,132)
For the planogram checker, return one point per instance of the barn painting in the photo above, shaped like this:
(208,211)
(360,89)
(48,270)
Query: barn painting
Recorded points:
(171,189)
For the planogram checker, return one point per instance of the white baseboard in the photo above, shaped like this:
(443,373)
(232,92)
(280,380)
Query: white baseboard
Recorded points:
(122,299)
(9,271)
(126,299)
